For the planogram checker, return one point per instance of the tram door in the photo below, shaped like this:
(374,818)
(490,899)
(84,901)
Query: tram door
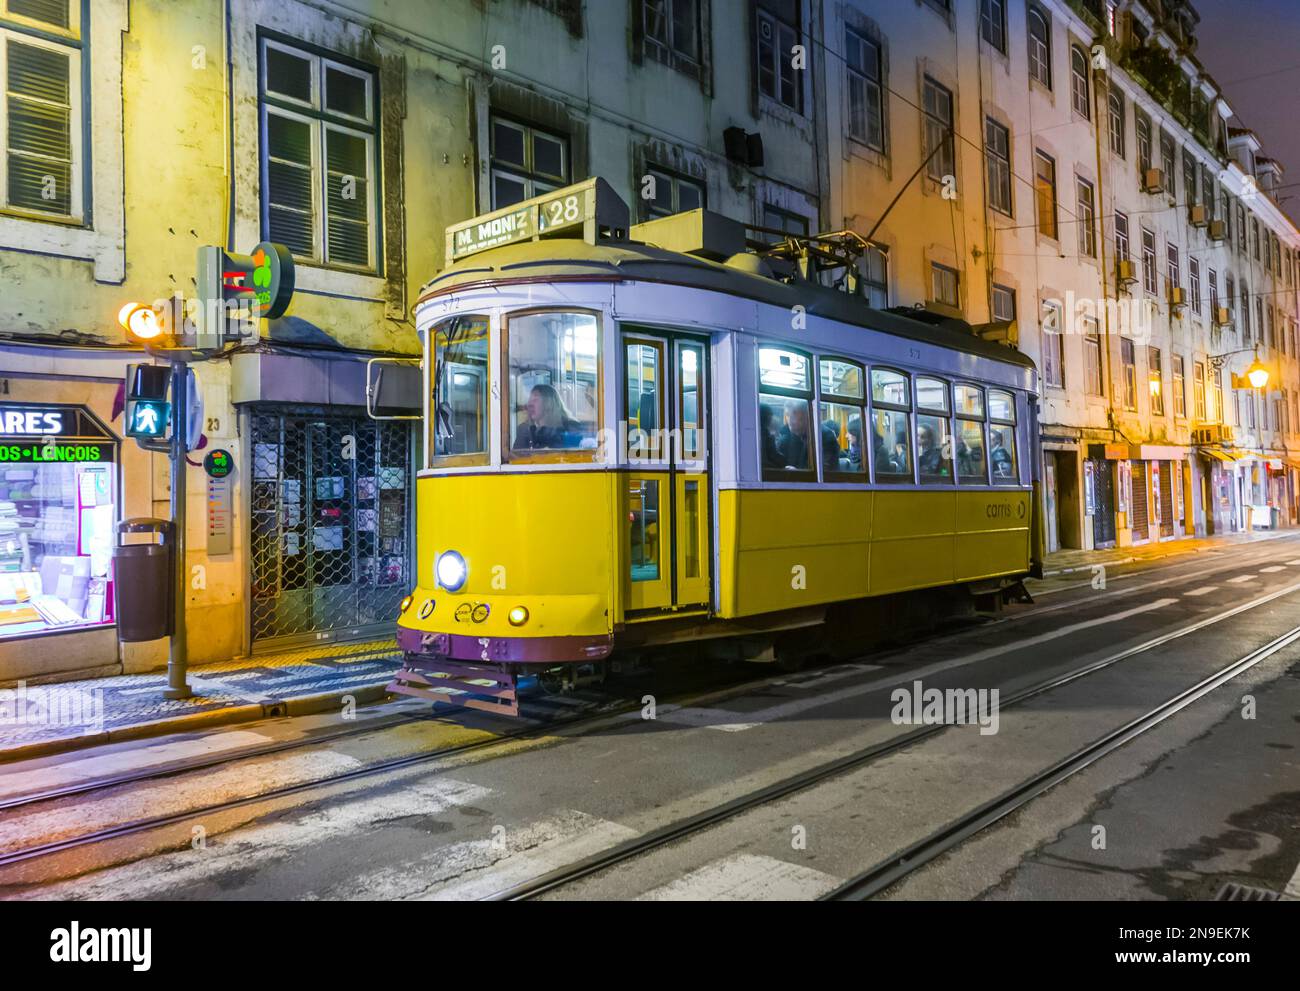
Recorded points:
(666,486)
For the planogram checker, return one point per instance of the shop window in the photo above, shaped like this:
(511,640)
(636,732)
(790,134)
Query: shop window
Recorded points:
(58,513)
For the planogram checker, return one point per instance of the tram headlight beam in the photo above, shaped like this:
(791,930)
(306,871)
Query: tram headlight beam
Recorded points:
(451,571)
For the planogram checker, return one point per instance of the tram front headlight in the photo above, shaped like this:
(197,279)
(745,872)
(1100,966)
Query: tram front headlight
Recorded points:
(406,604)
(518,616)
(451,571)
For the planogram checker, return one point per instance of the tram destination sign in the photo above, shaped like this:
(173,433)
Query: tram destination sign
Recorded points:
(582,210)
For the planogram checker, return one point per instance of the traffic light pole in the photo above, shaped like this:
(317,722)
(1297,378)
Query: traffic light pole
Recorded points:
(177,685)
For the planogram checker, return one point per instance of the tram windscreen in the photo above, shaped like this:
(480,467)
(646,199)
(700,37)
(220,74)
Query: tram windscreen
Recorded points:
(554,368)
(460,386)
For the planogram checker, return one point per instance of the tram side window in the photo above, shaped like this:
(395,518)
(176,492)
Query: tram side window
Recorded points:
(1002,437)
(933,441)
(843,419)
(460,383)
(891,445)
(969,403)
(554,393)
(785,415)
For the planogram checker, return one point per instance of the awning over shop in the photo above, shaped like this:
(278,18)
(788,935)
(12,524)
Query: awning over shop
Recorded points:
(1216,454)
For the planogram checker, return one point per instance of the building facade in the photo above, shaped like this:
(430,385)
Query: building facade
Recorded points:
(1060,174)
(1079,177)
(140,130)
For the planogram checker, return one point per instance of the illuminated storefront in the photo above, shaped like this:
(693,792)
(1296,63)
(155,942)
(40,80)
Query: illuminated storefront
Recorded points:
(58,508)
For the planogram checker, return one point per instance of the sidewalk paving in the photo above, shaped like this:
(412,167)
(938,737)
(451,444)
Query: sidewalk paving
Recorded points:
(1066,561)
(36,720)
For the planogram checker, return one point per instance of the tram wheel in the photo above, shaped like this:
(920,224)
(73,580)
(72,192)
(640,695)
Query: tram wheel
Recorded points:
(551,682)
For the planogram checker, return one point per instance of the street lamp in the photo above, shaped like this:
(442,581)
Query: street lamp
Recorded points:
(1257,374)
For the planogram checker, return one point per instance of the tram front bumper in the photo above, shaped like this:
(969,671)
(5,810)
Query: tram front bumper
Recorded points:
(505,650)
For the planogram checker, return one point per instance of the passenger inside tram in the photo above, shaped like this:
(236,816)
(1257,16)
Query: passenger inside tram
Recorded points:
(855,456)
(1004,465)
(929,456)
(793,439)
(772,457)
(549,423)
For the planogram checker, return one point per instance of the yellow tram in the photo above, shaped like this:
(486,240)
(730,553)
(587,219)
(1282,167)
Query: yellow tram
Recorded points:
(667,433)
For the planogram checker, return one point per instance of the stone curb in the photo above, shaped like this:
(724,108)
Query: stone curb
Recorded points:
(193,721)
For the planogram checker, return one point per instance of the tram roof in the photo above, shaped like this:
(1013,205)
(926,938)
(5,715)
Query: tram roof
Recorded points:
(574,260)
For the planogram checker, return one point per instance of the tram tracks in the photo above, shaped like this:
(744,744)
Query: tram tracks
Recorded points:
(888,872)
(178,768)
(578,723)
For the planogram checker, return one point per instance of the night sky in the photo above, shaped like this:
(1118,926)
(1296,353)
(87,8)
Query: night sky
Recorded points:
(1240,41)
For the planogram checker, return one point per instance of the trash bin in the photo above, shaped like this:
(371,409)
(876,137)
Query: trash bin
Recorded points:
(143,586)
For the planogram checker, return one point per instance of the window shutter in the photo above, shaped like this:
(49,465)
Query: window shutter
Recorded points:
(289,174)
(51,12)
(347,193)
(39,138)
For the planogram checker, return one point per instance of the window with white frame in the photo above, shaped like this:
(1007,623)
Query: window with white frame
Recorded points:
(1086,217)
(942,159)
(1091,357)
(997,155)
(670,193)
(993,23)
(1040,47)
(41,63)
(1128,367)
(862,65)
(777,33)
(320,137)
(1156,381)
(1079,92)
(1115,103)
(1004,303)
(875,277)
(944,285)
(526,162)
(672,31)
(1149,261)
(1121,236)
(1053,345)
(1194,282)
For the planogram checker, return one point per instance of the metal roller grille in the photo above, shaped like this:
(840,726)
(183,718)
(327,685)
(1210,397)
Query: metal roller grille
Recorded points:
(330,525)
(1167,499)
(1141,520)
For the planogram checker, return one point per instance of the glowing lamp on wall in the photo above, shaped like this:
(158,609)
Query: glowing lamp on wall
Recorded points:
(140,322)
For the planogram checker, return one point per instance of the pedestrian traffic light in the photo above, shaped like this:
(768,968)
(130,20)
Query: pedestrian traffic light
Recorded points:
(236,291)
(148,411)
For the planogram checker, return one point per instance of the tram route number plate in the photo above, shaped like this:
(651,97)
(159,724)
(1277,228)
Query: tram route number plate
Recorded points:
(548,214)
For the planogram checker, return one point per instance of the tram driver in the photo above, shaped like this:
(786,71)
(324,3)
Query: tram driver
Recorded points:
(550,425)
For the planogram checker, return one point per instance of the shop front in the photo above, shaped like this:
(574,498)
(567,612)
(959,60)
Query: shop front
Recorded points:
(59,505)
(1105,493)
(329,494)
